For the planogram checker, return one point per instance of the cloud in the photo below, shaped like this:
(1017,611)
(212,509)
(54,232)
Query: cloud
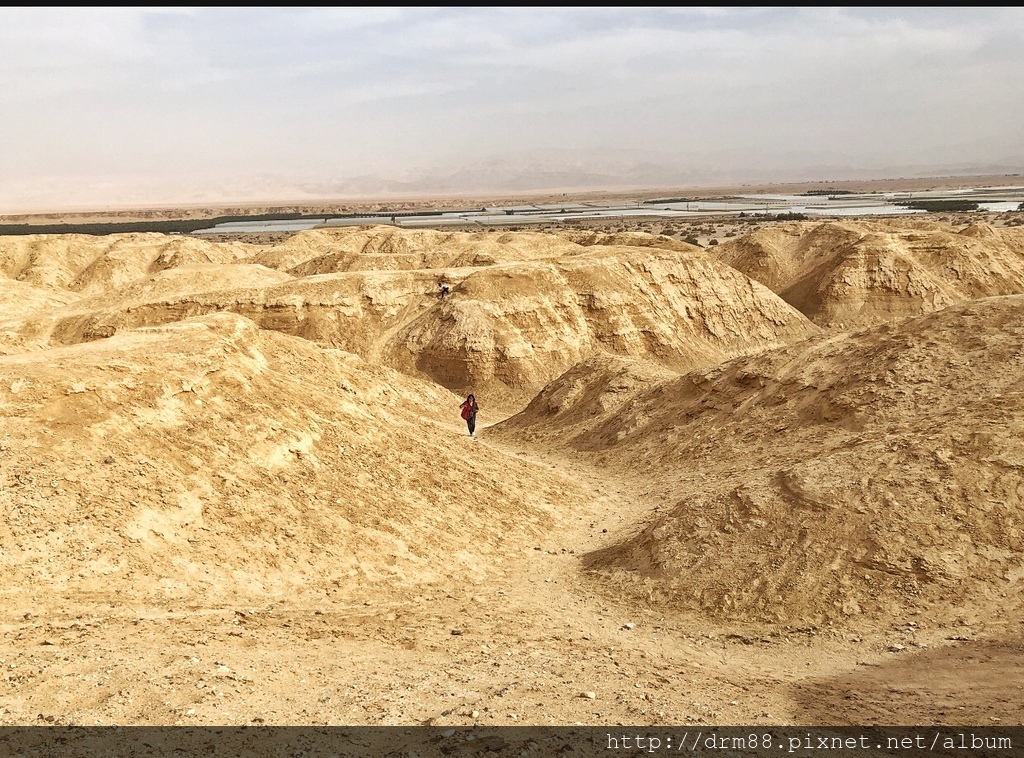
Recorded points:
(319,93)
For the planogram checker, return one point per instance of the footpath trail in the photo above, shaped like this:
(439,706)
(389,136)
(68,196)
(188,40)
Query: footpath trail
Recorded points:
(536,642)
(231,497)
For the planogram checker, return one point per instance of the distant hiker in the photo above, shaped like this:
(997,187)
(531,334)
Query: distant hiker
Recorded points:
(444,289)
(469,411)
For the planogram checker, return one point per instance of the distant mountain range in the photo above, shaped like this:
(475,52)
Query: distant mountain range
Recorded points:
(545,172)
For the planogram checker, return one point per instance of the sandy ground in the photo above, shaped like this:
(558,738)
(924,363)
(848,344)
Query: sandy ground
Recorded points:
(532,646)
(536,643)
(526,637)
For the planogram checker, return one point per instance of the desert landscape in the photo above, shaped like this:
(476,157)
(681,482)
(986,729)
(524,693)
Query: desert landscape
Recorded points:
(772,479)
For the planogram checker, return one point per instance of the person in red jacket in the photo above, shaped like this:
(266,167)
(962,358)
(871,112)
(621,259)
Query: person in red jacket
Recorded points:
(469,411)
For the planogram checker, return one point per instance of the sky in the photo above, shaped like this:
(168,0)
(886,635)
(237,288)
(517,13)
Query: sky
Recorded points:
(115,107)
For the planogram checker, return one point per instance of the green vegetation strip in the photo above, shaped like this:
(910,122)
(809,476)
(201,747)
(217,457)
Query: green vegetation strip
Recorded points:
(166,227)
(187,227)
(938,206)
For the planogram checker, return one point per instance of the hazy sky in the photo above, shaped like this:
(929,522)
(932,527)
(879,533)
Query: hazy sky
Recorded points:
(116,106)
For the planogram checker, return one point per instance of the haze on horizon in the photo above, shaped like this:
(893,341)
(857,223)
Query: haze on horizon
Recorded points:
(109,107)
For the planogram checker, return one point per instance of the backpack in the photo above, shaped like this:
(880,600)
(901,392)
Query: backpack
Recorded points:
(467,411)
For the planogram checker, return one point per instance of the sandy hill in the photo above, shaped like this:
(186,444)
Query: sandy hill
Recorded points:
(210,459)
(90,264)
(588,238)
(504,331)
(858,273)
(234,487)
(511,329)
(867,473)
(383,248)
(159,386)
(20,301)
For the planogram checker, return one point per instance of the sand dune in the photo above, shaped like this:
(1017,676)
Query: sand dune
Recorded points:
(93,264)
(208,458)
(505,330)
(858,273)
(375,248)
(865,473)
(626,239)
(235,485)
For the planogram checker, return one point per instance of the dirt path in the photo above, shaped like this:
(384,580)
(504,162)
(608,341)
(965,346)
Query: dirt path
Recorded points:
(538,643)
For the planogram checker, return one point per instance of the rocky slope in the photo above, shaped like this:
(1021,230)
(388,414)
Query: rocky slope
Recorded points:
(208,458)
(865,473)
(857,273)
(504,331)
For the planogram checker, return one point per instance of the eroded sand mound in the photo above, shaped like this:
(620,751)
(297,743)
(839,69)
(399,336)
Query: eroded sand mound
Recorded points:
(384,248)
(504,331)
(869,473)
(763,435)
(588,238)
(862,272)
(90,264)
(512,329)
(20,301)
(211,459)
(207,520)
(565,411)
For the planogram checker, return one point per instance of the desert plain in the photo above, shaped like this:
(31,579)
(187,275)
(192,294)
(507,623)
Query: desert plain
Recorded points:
(776,479)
